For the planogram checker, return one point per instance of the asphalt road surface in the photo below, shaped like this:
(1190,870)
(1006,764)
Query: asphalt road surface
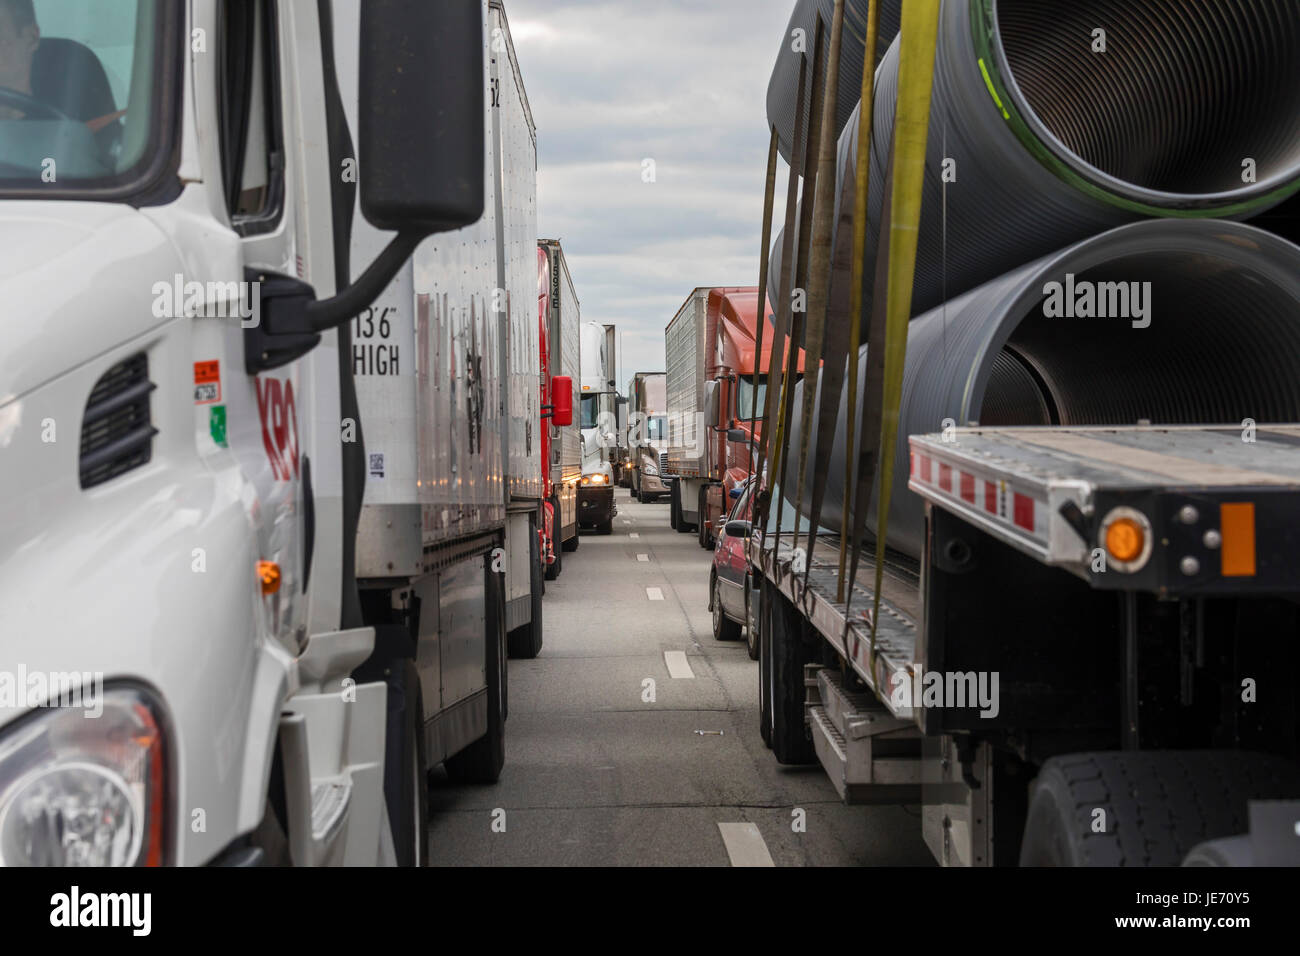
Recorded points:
(597,774)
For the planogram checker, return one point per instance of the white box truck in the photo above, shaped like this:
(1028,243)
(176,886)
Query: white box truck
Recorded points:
(253,476)
(599,419)
(647,427)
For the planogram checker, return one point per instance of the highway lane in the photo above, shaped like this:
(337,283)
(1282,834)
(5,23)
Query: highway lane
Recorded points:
(613,760)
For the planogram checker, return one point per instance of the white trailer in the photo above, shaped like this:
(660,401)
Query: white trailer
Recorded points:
(278,661)
(689,394)
(566,359)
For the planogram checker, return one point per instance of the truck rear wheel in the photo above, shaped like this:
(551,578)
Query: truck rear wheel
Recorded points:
(572,543)
(1145,808)
(672,506)
(525,641)
(681,525)
(481,761)
(706,536)
(790,740)
(553,569)
(406,785)
(765,662)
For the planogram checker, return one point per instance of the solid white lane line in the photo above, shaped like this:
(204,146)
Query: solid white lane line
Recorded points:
(633,534)
(677,664)
(745,844)
(654,594)
(643,557)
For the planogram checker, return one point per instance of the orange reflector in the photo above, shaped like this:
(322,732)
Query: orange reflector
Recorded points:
(1237,526)
(1124,539)
(268,572)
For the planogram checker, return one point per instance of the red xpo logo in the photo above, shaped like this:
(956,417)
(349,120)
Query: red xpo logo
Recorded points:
(275,406)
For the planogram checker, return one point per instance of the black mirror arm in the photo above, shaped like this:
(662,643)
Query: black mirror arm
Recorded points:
(330,313)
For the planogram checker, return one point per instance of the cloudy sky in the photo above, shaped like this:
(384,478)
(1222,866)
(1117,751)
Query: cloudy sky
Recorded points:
(612,83)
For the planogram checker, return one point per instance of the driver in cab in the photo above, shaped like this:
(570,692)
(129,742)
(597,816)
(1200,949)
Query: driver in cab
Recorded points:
(19,38)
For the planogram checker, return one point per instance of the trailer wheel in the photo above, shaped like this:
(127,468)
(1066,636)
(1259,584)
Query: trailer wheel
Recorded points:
(1145,808)
(606,527)
(706,536)
(790,740)
(751,623)
(525,641)
(765,662)
(481,761)
(681,526)
(572,543)
(406,787)
(553,570)
(672,505)
(724,628)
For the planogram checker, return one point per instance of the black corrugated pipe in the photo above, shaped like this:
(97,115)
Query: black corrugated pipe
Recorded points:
(1216,340)
(783,85)
(1158,125)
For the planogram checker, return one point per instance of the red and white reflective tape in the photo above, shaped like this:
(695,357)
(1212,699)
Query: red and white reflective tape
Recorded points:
(994,499)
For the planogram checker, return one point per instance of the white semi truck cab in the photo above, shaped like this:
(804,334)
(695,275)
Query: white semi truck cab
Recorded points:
(189,670)
(596,507)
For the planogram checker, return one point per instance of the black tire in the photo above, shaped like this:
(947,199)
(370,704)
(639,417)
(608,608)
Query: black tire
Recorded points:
(672,506)
(606,527)
(707,540)
(790,740)
(1158,804)
(553,570)
(724,628)
(682,526)
(406,786)
(481,761)
(525,641)
(751,632)
(572,543)
(765,662)
(640,496)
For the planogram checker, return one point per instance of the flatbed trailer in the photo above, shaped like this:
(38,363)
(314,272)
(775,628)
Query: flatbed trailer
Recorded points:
(1096,610)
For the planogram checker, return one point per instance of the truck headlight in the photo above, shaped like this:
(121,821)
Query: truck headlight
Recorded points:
(650,469)
(82,790)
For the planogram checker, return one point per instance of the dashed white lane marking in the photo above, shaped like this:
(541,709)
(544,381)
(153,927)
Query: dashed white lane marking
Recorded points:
(745,844)
(678,666)
(654,594)
(643,557)
(633,534)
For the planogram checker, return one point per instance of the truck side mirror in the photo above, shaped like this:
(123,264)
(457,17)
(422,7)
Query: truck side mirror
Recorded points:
(562,400)
(711,404)
(420,106)
(737,434)
(420,102)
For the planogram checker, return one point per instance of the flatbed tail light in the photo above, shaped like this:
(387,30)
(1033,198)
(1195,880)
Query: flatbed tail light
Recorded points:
(1127,538)
(1237,530)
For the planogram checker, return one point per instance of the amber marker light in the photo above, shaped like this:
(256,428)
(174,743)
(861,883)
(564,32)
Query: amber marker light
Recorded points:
(1127,537)
(268,572)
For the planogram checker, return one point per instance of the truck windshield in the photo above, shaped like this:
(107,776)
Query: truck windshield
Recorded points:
(745,397)
(589,410)
(656,427)
(78,92)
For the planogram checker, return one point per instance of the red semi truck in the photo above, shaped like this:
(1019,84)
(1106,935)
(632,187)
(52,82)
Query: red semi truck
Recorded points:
(711,357)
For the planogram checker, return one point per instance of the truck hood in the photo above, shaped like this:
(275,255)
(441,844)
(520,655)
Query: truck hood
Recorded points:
(77,279)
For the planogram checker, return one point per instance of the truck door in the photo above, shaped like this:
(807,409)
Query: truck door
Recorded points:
(275,423)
